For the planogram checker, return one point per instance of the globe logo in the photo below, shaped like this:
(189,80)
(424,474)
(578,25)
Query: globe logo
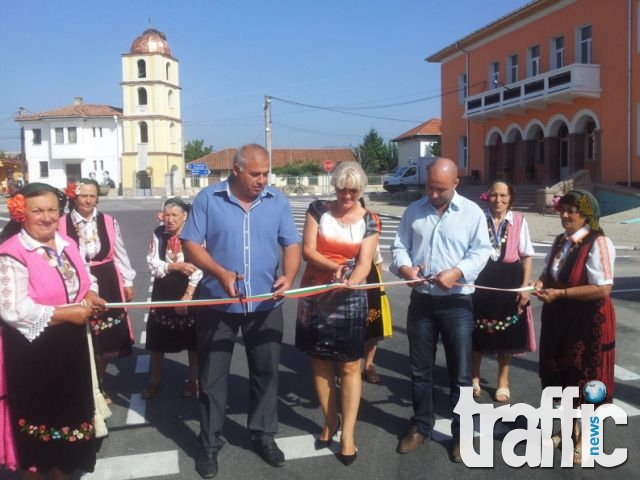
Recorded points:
(595,391)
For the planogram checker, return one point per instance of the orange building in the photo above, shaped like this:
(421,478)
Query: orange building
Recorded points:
(549,89)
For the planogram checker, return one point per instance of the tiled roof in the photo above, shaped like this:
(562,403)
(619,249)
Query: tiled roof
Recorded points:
(71,111)
(429,128)
(223,159)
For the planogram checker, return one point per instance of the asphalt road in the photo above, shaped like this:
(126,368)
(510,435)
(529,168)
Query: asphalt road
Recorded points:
(156,439)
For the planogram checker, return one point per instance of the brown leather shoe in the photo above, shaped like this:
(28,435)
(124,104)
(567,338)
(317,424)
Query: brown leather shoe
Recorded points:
(411,441)
(455,452)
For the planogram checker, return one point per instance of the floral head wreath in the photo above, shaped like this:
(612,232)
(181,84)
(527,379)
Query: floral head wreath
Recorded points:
(17,207)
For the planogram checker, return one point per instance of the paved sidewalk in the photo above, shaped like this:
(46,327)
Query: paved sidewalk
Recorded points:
(544,228)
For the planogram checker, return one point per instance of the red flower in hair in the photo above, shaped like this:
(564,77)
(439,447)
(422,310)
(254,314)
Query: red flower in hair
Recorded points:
(17,207)
(71,191)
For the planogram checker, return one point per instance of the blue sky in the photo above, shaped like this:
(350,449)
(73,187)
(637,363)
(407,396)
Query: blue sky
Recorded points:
(345,54)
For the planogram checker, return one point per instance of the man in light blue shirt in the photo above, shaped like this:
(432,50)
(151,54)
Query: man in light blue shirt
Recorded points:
(236,233)
(442,243)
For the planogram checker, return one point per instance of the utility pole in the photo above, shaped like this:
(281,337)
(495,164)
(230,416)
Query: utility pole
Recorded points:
(23,159)
(267,129)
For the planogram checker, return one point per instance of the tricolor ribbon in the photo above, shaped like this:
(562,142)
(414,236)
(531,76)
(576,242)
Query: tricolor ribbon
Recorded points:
(292,293)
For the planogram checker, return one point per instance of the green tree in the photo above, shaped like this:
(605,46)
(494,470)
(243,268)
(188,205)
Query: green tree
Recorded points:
(391,162)
(374,155)
(195,149)
(436,149)
(299,169)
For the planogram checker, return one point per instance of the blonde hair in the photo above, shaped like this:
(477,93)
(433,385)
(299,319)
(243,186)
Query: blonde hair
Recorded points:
(349,175)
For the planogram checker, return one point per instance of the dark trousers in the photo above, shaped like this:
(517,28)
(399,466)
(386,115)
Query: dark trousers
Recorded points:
(262,335)
(429,317)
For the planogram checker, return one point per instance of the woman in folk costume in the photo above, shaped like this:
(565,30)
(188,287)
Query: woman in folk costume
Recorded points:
(171,330)
(46,298)
(578,334)
(101,245)
(503,321)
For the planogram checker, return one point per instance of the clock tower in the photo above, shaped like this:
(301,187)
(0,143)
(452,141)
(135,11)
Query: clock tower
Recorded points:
(152,159)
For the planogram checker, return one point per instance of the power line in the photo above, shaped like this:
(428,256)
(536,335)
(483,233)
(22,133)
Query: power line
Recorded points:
(337,110)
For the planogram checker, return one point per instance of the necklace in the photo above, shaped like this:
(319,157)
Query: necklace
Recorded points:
(174,247)
(497,238)
(59,261)
(88,234)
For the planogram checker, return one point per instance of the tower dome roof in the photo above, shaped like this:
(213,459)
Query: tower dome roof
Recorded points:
(151,41)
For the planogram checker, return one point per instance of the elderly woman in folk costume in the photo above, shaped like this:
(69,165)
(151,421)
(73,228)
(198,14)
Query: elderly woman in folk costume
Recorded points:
(577,339)
(101,245)
(503,321)
(171,329)
(47,295)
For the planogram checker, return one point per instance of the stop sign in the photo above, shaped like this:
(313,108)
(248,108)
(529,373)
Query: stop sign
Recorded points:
(328,165)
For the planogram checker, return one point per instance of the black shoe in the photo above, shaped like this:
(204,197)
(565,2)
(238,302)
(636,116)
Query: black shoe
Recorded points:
(270,453)
(320,444)
(347,459)
(207,464)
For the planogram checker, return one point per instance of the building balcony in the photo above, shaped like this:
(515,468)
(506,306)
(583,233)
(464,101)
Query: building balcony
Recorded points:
(556,86)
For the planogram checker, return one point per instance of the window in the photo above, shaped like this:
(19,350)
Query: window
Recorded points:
(144,133)
(170,98)
(44,169)
(557,55)
(168,70)
(512,69)
(172,133)
(494,75)
(584,39)
(462,88)
(97,132)
(142,96)
(142,69)
(73,134)
(534,61)
(463,151)
(59,135)
(37,136)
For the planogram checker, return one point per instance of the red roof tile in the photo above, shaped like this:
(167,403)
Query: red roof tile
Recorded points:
(429,128)
(223,159)
(70,111)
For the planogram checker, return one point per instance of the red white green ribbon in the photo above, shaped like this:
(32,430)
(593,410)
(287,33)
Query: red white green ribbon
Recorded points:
(292,293)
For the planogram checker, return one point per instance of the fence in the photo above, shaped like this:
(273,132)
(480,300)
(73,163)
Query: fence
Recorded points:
(309,185)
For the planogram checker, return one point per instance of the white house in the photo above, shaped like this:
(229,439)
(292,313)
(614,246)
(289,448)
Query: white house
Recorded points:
(417,142)
(71,142)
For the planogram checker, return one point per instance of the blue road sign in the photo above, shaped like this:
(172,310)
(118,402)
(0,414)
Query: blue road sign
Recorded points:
(197,166)
(200,171)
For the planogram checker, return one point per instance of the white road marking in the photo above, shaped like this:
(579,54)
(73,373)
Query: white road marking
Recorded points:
(630,410)
(302,446)
(143,337)
(624,375)
(146,317)
(142,364)
(143,465)
(137,410)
